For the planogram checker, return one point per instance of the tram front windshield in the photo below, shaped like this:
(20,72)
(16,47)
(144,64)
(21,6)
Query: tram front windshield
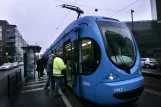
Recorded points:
(119,43)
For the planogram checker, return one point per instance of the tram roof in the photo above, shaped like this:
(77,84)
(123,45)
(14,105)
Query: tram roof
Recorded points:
(85,19)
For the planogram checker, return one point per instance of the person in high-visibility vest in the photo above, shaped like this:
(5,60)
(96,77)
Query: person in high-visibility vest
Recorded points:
(58,68)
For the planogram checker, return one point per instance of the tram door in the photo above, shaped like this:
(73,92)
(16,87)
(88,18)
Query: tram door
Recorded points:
(72,60)
(68,61)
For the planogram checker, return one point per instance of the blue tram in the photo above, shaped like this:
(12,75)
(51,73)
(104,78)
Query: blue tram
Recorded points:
(103,60)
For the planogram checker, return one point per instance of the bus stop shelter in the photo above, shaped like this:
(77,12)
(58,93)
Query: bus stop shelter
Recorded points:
(30,60)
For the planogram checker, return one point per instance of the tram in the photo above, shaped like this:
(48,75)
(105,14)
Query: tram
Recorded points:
(103,60)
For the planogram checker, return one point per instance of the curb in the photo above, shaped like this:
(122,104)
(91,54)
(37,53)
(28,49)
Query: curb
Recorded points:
(158,75)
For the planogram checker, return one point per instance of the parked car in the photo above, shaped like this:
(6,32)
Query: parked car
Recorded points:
(21,63)
(6,66)
(15,64)
(149,63)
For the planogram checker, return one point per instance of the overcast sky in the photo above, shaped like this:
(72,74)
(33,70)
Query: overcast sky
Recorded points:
(37,20)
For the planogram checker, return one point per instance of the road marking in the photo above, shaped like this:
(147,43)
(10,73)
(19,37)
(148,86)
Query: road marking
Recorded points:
(152,91)
(65,99)
(31,90)
(35,82)
(34,85)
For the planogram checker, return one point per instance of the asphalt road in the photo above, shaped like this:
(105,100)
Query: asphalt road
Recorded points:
(5,73)
(152,70)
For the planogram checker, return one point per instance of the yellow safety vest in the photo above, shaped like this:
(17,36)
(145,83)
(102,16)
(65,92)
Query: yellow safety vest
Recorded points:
(58,66)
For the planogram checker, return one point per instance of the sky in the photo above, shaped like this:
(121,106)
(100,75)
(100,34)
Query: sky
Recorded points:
(38,20)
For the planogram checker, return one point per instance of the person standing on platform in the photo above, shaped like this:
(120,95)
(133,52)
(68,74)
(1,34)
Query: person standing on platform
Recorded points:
(58,68)
(49,69)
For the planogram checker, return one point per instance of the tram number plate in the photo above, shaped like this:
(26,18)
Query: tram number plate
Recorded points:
(86,83)
(118,89)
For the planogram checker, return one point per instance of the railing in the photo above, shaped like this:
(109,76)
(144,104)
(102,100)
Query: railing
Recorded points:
(9,84)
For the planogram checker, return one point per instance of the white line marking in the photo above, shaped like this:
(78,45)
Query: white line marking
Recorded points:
(31,90)
(35,82)
(34,85)
(65,99)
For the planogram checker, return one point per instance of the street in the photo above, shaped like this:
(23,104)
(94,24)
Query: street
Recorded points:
(5,73)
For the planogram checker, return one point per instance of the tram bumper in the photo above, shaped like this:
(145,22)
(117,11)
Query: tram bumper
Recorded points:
(115,93)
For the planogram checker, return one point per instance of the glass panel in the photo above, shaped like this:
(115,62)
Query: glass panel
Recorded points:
(0,32)
(91,56)
(152,59)
(74,63)
(68,60)
(119,44)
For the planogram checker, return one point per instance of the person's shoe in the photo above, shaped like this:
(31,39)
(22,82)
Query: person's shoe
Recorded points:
(57,95)
(46,90)
(63,90)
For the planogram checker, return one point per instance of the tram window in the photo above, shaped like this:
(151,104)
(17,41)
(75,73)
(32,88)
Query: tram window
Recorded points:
(68,55)
(74,56)
(91,56)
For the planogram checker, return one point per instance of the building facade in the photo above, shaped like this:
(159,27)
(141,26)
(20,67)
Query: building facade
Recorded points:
(11,42)
(148,37)
(156,9)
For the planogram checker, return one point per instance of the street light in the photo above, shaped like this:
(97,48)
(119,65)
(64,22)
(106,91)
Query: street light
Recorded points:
(132,20)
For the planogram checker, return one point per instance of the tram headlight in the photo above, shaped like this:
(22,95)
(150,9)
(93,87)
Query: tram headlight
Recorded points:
(112,76)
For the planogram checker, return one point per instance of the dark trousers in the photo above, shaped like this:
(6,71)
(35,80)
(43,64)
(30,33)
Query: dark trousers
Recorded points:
(50,79)
(59,81)
(40,73)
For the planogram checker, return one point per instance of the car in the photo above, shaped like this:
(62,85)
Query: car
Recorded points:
(21,63)
(149,63)
(6,66)
(15,64)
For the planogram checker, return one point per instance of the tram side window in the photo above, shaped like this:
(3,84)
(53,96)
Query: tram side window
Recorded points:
(91,56)
(67,57)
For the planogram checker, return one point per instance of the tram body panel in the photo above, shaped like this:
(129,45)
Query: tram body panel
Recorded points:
(104,92)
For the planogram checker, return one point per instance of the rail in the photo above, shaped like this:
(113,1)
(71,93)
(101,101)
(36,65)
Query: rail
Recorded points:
(9,84)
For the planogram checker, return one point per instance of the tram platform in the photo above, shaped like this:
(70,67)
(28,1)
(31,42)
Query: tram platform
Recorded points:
(15,91)
(33,95)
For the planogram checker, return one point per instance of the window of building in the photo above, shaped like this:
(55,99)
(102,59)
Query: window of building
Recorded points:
(143,59)
(91,56)
(0,32)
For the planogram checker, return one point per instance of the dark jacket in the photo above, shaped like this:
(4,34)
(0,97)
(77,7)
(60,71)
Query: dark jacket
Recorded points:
(45,60)
(39,65)
(49,67)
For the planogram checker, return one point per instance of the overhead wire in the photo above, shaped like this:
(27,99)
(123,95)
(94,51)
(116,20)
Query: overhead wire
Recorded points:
(125,7)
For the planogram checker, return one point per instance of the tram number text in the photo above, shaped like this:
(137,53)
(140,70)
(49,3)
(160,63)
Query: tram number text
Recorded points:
(86,83)
(118,89)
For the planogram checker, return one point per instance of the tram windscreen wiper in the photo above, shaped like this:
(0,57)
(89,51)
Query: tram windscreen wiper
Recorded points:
(120,58)
(113,49)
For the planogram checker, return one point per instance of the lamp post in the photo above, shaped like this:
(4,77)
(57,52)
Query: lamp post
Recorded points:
(132,21)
